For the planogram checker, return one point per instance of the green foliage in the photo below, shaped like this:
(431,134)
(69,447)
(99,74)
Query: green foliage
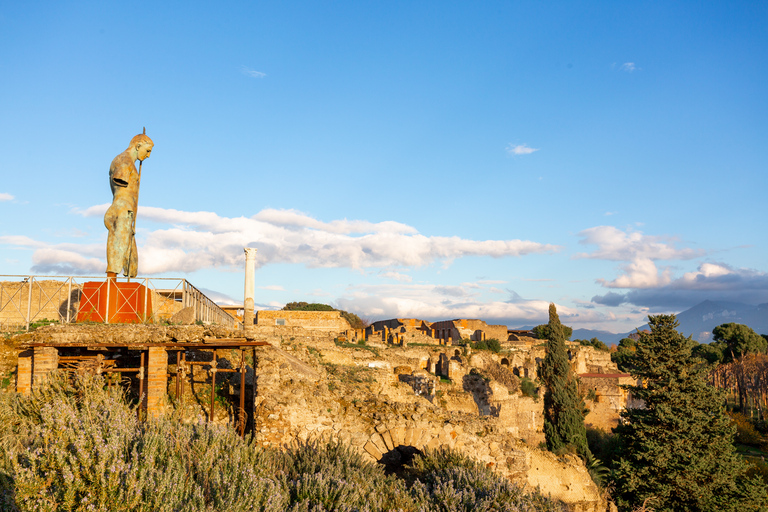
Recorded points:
(624,353)
(739,340)
(543,333)
(563,407)
(76,446)
(677,451)
(528,387)
(594,342)
(603,445)
(713,353)
(305,306)
(491,344)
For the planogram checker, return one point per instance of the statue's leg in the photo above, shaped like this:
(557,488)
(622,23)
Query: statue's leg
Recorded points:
(114,258)
(119,243)
(133,265)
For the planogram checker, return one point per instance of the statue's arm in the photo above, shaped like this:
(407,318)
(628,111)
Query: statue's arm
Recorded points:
(120,171)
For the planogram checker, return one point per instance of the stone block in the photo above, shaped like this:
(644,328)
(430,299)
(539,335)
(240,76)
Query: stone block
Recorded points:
(372,450)
(398,436)
(416,440)
(185,316)
(408,439)
(378,442)
(387,437)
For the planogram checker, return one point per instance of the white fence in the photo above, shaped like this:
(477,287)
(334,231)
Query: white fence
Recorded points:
(28,299)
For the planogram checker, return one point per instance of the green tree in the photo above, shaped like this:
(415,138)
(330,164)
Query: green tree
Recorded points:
(563,407)
(624,353)
(542,332)
(739,340)
(677,451)
(594,342)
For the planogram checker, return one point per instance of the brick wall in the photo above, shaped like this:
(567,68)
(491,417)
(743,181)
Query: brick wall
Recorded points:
(24,373)
(157,380)
(44,361)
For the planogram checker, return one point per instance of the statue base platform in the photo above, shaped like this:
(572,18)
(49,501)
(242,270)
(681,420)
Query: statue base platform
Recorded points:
(114,302)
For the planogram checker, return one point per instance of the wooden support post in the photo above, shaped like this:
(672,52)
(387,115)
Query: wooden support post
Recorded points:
(242,393)
(213,384)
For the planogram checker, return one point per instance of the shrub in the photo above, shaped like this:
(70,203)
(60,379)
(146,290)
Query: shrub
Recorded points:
(76,446)
(449,482)
(528,387)
(492,345)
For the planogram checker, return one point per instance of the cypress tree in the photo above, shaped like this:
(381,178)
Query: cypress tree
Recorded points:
(563,407)
(677,451)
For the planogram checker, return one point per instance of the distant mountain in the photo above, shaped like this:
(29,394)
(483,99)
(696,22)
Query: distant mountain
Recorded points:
(700,320)
(606,337)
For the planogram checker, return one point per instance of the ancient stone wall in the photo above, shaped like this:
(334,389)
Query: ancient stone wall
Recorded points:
(46,299)
(605,398)
(328,321)
(386,414)
(587,359)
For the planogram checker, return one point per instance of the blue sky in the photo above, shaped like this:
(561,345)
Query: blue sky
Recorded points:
(415,159)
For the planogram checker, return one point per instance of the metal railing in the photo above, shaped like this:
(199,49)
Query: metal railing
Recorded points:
(27,299)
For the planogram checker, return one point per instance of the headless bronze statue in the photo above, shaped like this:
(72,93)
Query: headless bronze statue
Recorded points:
(120,218)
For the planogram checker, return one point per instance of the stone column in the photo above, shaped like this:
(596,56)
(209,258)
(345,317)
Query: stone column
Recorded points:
(250,280)
(24,373)
(157,381)
(44,361)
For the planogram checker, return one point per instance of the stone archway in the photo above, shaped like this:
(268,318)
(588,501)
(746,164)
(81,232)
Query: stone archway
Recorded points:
(407,439)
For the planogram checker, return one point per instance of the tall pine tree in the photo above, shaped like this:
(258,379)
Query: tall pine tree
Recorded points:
(677,451)
(563,407)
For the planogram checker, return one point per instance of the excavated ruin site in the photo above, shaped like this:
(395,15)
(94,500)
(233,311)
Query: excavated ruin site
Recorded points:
(390,391)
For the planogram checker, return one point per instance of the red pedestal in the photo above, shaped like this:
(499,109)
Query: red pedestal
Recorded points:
(114,302)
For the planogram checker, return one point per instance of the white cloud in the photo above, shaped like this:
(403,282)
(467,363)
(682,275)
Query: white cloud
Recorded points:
(51,260)
(252,72)
(20,241)
(629,67)
(617,245)
(713,276)
(641,251)
(397,276)
(431,303)
(273,287)
(200,240)
(640,273)
(6,197)
(713,281)
(520,149)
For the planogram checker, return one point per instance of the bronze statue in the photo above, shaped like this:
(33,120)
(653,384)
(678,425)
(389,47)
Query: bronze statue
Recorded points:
(120,218)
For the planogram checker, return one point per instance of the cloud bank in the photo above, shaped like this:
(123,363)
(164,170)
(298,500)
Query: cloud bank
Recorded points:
(713,281)
(639,251)
(201,240)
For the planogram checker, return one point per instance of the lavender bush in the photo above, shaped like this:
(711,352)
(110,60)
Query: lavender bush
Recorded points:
(76,445)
